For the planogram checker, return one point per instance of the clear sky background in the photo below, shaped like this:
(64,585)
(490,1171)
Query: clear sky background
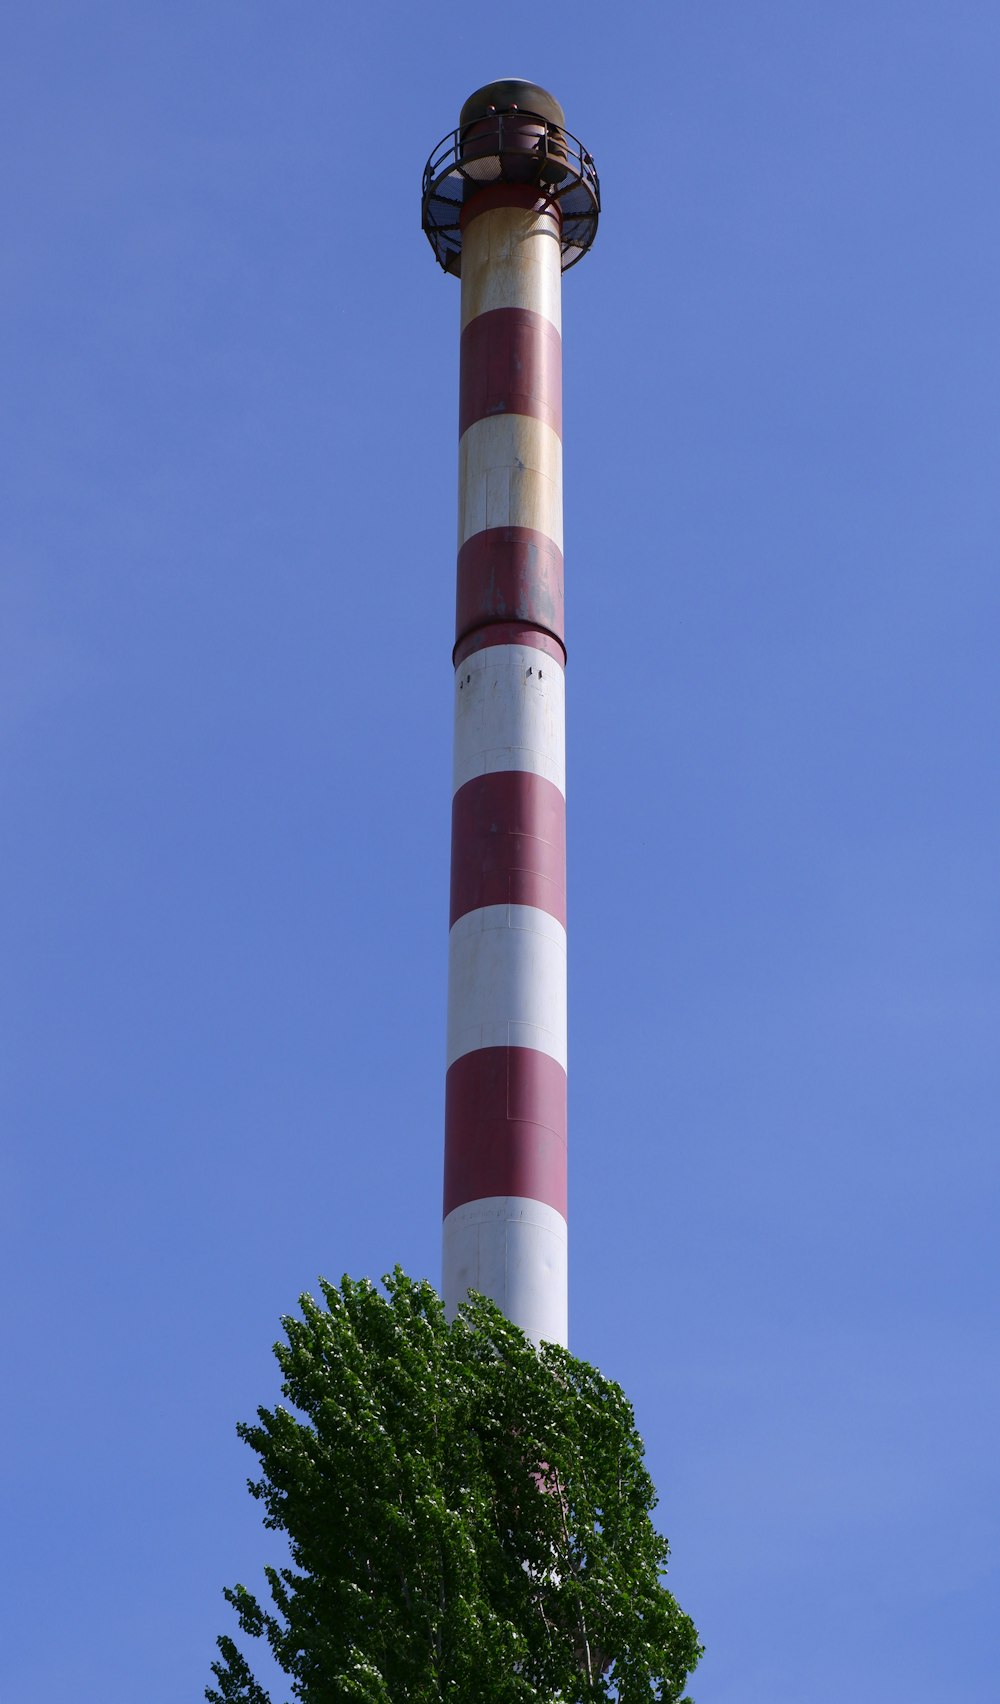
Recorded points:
(229,381)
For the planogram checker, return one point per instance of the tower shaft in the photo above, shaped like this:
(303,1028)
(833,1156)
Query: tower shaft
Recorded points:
(505,1120)
(510,200)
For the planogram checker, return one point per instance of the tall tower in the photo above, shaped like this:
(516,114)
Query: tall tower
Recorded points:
(510,200)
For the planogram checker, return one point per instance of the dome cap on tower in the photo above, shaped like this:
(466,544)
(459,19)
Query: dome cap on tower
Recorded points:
(509,94)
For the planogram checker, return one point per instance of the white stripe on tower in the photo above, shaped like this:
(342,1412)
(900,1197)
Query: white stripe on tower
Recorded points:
(505,1134)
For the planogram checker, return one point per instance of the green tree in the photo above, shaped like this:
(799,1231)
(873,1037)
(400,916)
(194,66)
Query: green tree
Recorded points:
(467,1518)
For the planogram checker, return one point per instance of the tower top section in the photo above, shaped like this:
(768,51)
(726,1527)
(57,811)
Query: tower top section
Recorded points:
(510,133)
(513,94)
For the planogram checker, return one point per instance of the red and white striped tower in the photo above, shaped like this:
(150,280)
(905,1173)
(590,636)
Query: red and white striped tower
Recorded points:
(510,200)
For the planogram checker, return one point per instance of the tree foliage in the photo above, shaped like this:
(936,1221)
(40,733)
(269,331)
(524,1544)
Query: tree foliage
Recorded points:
(467,1518)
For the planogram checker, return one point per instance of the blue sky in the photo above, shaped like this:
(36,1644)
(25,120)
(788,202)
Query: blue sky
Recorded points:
(229,368)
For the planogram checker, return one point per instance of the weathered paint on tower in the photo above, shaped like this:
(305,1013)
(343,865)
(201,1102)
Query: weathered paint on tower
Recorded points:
(510,200)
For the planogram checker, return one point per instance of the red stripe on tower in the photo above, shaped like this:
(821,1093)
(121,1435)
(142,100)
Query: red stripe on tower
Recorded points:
(510,574)
(510,200)
(508,844)
(511,363)
(505,1119)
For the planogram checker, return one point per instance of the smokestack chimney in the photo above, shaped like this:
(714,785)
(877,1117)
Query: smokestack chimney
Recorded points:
(510,200)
